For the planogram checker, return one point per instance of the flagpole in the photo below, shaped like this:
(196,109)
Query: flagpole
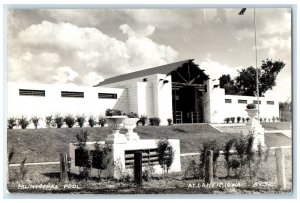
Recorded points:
(257,84)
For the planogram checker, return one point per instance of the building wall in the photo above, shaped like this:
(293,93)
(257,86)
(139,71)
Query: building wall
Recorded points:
(52,103)
(219,110)
(152,97)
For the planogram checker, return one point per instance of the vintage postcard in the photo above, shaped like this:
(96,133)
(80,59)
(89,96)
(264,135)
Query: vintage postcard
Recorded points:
(148,100)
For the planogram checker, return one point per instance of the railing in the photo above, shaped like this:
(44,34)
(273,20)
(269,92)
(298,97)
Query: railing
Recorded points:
(195,117)
(148,156)
(178,117)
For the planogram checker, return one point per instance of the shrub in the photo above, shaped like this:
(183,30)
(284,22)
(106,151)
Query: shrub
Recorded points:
(165,153)
(59,121)
(23,122)
(80,120)
(238,119)
(227,119)
(273,119)
(143,120)
(260,119)
(48,121)
(147,173)
(265,119)
(243,119)
(113,112)
(11,122)
(169,121)
(132,115)
(83,159)
(208,144)
(92,121)
(35,121)
(251,106)
(155,121)
(100,157)
(102,121)
(69,120)
(192,169)
(227,147)
(247,119)
(232,119)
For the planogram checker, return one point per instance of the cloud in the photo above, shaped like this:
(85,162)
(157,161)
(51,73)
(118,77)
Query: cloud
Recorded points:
(84,51)
(215,70)
(65,75)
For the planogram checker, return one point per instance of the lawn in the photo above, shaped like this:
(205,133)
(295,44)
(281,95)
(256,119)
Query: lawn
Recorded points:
(276,125)
(44,145)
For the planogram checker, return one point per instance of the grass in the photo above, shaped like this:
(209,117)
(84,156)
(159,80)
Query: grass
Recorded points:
(276,125)
(44,145)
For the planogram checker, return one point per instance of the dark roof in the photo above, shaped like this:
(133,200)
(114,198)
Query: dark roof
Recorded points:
(164,69)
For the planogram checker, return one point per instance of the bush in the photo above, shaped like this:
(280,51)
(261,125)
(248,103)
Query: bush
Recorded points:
(80,120)
(251,106)
(100,157)
(232,119)
(92,121)
(247,119)
(23,122)
(154,121)
(192,169)
(227,147)
(35,121)
(238,119)
(113,112)
(69,120)
(84,159)
(102,121)
(11,123)
(243,119)
(132,115)
(165,154)
(49,121)
(227,120)
(143,120)
(59,121)
(169,121)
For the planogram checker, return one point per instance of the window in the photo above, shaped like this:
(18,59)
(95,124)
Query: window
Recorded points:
(270,102)
(72,94)
(107,96)
(241,101)
(227,100)
(25,92)
(255,102)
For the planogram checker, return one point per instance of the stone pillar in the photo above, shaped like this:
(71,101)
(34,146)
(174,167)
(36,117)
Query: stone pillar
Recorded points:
(255,127)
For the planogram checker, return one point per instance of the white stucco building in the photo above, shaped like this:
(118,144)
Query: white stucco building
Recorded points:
(181,91)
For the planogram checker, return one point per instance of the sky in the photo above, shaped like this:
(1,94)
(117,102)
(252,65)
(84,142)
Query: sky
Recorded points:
(86,46)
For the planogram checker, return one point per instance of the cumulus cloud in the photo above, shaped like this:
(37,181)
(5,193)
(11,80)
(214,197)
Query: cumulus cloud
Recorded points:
(81,53)
(215,70)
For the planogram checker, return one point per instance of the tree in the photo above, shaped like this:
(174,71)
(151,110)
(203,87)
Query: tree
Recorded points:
(245,82)
(228,84)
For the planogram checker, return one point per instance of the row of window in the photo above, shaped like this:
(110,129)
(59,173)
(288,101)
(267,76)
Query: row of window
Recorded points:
(42,93)
(242,101)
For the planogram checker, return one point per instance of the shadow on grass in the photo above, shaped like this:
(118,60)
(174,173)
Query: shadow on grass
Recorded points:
(179,130)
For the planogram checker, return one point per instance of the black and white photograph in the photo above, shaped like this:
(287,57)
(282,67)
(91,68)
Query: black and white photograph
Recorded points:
(149,100)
